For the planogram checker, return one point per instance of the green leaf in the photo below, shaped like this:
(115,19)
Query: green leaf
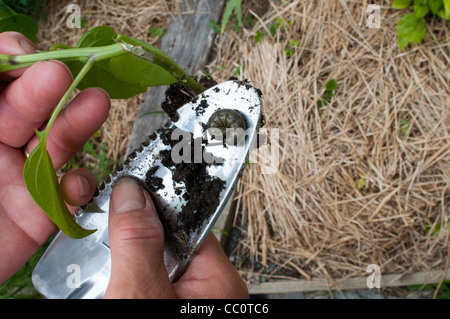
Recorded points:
(361,182)
(447,9)
(331,86)
(5,11)
(401,4)
(404,125)
(11,21)
(97,37)
(101,75)
(134,70)
(232,4)
(147,47)
(156,32)
(410,29)
(42,183)
(435,5)
(421,8)
(154,55)
(258,36)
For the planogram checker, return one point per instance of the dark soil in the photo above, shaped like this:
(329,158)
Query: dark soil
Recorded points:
(179,94)
(201,191)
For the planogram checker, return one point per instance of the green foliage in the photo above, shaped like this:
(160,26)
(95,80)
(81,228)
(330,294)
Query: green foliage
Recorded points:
(104,164)
(435,230)
(444,289)
(290,47)
(279,25)
(123,66)
(330,88)
(31,8)
(214,26)
(12,21)
(411,27)
(102,75)
(156,32)
(122,77)
(232,5)
(42,183)
(361,182)
(405,126)
(239,70)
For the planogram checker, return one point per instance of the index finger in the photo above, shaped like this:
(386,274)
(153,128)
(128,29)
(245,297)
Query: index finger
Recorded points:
(14,43)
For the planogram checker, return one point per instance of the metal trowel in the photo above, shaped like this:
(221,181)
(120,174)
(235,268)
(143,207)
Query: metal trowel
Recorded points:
(80,268)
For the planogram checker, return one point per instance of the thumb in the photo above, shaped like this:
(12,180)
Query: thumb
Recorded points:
(136,238)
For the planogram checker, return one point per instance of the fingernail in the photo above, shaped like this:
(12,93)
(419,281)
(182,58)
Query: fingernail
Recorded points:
(27,46)
(83,185)
(127,196)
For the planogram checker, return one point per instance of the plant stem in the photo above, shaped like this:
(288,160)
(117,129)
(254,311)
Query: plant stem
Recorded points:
(156,56)
(9,62)
(56,46)
(66,96)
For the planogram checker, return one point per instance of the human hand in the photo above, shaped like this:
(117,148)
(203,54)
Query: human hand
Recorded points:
(136,239)
(27,98)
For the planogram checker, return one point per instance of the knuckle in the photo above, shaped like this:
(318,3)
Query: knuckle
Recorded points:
(136,228)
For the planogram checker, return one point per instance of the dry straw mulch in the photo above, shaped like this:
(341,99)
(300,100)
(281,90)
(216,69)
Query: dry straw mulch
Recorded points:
(361,179)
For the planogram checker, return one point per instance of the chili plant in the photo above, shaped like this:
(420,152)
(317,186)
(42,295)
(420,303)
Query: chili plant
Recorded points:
(121,65)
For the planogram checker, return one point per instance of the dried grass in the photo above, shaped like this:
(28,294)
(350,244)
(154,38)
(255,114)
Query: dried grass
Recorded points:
(311,220)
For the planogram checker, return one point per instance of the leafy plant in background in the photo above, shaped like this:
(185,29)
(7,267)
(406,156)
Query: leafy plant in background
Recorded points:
(411,27)
(156,32)
(121,65)
(232,5)
(104,165)
(32,8)
(10,20)
(282,25)
(405,126)
(443,293)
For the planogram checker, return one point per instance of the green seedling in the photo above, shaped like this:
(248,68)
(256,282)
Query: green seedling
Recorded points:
(404,126)
(443,293)
(214,70)
(239,70)
(435,230)
(214,26)
(121,65)
(105,165)
(290,47)
(330,89)
(156,32)
(235,5)
(411,27)
(284,26)
(361,182)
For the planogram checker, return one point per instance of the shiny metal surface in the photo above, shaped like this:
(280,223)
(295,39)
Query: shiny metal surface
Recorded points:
(72,268)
